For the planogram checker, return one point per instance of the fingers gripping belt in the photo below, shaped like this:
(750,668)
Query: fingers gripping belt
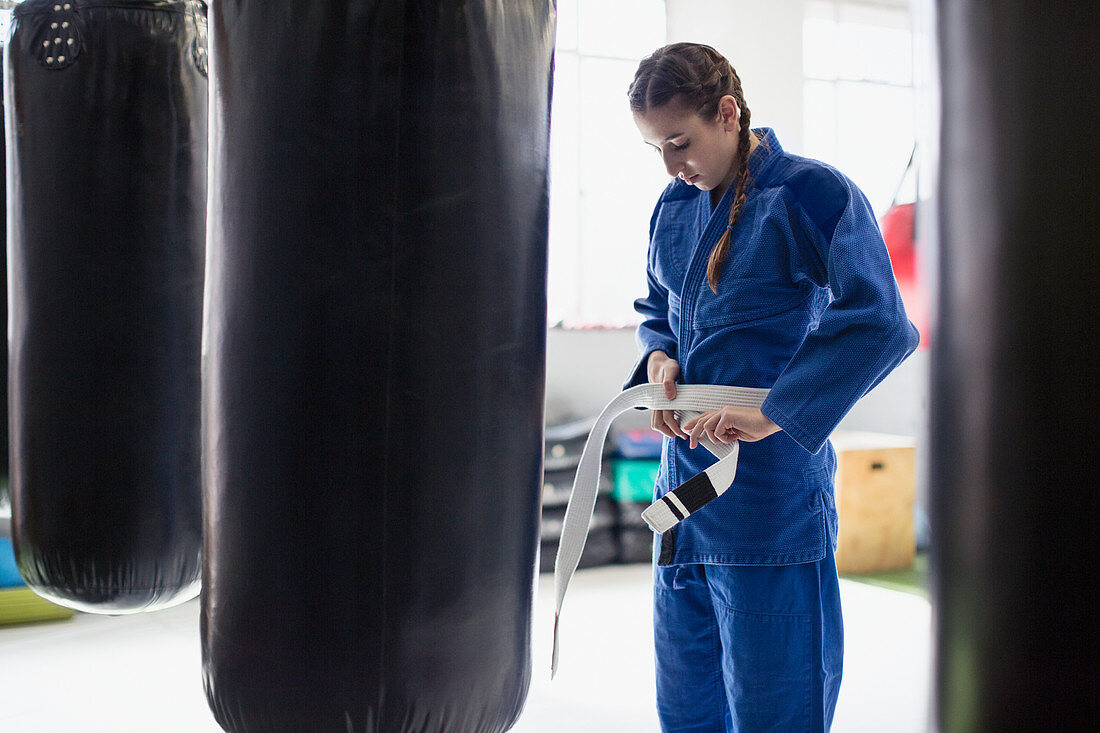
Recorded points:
(666,512)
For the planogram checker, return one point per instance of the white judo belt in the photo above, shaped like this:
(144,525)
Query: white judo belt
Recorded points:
(675,506)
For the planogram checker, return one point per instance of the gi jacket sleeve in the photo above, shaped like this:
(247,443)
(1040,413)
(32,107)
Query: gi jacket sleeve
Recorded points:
(654,332)
(862,334)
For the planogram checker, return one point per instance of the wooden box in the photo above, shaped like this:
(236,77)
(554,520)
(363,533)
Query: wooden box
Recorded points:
(875,496)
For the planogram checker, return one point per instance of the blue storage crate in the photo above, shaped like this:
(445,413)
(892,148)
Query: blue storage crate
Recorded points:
(634,478)
(9,573)
(639,443)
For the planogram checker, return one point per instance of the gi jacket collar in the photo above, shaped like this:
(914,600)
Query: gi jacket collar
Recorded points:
(714,224)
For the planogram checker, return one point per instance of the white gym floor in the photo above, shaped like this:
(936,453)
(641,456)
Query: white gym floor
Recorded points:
(141,674)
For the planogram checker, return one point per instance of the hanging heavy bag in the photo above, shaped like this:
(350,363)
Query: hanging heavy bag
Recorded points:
(898,226)
(374,362)
(3,319)
(106,130)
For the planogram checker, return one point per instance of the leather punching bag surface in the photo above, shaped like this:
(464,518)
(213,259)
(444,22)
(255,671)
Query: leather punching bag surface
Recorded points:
(106,129)
(374,346)
(1014,446)
(3,313)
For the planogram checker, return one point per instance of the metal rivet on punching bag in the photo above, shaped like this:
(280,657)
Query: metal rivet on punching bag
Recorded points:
(374,362)
(107,196)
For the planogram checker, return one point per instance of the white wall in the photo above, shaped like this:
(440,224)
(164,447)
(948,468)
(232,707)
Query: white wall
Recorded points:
(763,41)
(585,369)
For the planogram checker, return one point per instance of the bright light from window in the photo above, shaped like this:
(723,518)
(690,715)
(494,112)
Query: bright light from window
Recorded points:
(604,182)
(858,98)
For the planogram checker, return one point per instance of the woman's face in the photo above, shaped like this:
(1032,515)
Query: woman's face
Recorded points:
(701,152)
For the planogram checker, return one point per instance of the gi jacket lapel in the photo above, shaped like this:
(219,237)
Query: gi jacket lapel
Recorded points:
(712,224)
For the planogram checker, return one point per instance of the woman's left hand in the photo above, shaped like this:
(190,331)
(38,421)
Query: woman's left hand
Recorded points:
(729,423)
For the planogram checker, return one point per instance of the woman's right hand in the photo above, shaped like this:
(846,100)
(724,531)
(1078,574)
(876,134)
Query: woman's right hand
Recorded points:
(662,369)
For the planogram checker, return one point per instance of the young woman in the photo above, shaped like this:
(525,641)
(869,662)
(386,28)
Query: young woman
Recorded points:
(765,269)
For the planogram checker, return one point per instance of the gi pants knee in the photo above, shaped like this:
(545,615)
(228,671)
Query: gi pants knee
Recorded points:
(747,649)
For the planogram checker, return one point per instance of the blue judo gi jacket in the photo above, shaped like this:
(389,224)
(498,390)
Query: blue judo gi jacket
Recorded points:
(807,306)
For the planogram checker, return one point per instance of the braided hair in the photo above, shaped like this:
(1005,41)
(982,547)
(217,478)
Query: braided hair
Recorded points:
(698,77)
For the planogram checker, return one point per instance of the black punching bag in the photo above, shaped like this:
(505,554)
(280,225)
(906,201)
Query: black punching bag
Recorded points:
(106,130)
(374,361)
(3,313)
(1014,396)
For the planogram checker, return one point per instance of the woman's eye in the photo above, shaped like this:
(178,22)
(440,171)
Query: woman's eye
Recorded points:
(678,148)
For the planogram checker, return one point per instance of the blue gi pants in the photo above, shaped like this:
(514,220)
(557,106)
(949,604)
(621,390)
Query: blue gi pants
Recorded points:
(747,649)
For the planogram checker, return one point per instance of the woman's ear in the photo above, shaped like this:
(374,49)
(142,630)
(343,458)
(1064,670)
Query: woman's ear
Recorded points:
(729,113)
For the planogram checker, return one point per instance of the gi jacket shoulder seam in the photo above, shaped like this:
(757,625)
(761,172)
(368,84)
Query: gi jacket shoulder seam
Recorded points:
(819,190)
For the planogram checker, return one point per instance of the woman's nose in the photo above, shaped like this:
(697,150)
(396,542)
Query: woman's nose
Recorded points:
(673,166)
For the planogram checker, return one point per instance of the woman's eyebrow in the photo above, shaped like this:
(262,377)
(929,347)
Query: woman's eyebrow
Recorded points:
(667,139)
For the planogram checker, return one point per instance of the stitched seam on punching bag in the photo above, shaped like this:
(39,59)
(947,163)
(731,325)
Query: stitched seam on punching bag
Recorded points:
(388,403)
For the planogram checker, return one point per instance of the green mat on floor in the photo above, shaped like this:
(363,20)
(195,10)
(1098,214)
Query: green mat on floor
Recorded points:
(21,605)
(908,580)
